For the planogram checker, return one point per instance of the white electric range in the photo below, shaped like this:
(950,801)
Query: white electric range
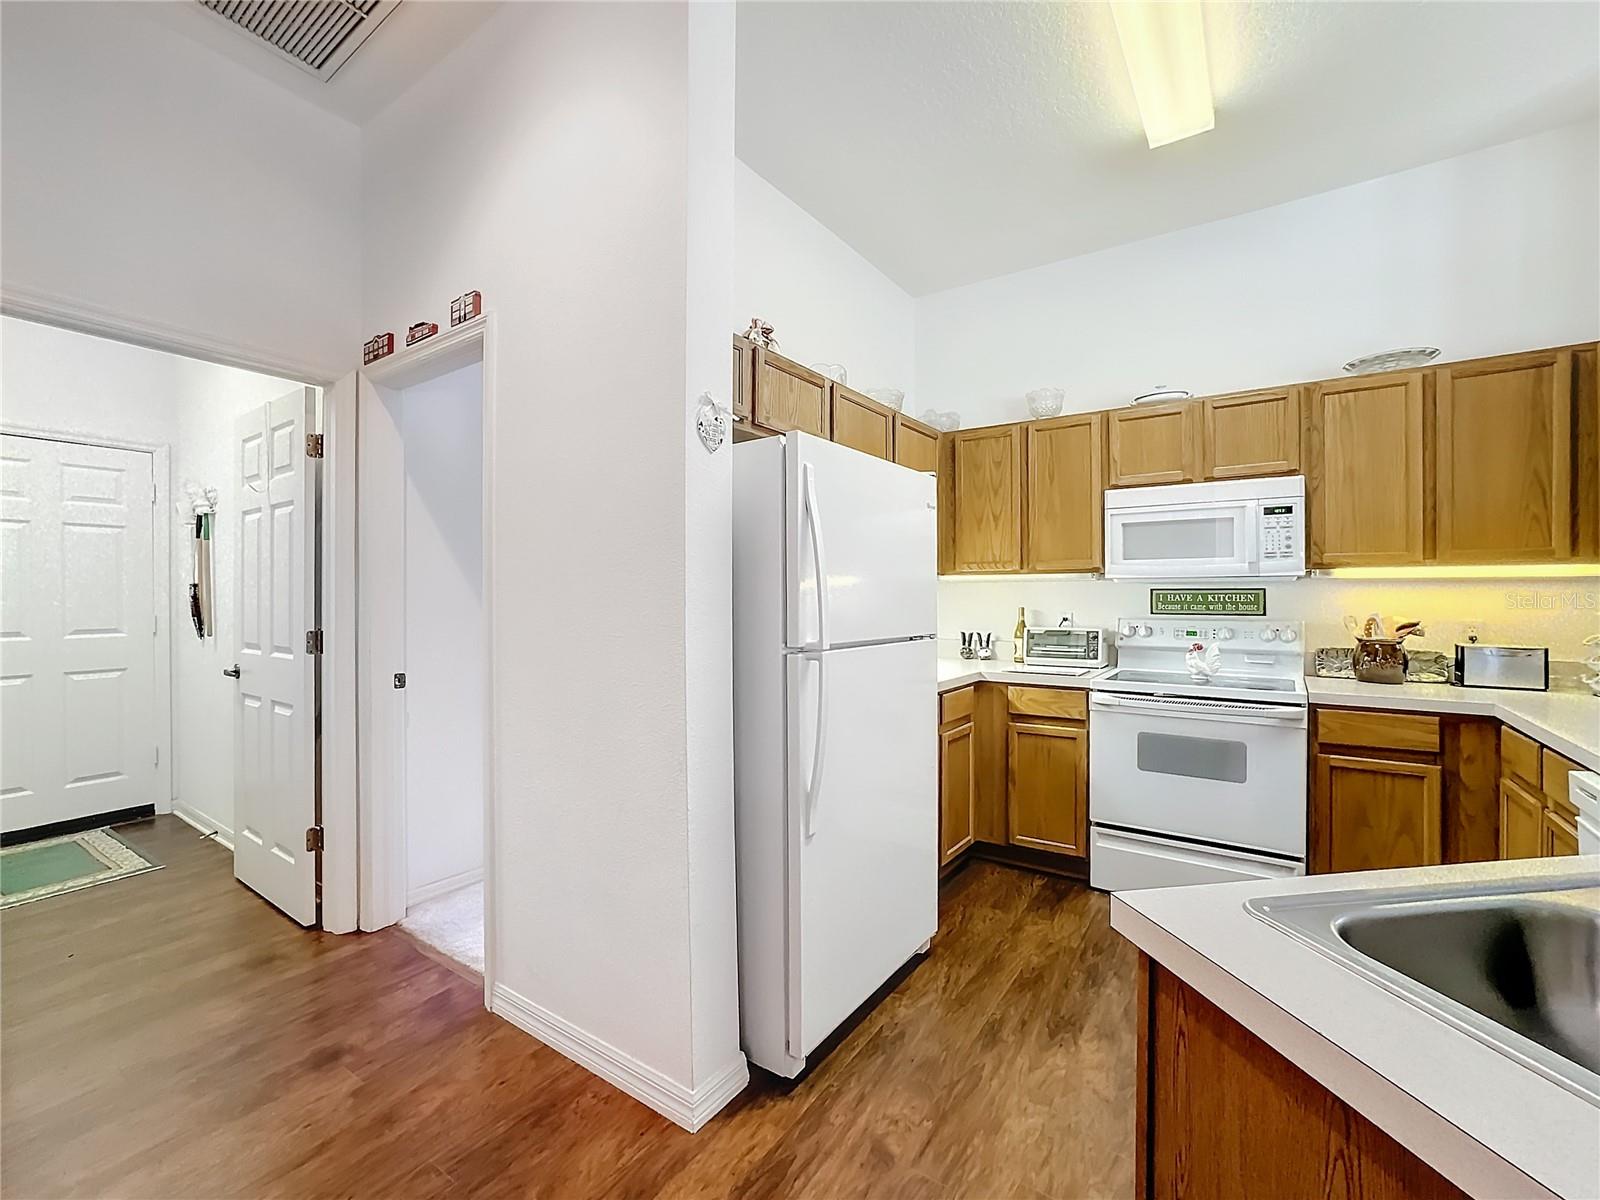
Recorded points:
(1193,779)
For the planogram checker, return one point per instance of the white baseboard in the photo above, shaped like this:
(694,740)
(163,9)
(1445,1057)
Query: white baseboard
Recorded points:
(688,1107)
(190,816)
(441,887)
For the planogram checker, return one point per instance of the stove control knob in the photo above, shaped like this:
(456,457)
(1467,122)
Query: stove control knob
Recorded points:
(1225,635)
(1289,634)
(1145,631)
(1269,634)
(1129,629)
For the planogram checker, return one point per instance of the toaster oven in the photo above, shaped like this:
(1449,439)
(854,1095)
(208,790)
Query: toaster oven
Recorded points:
(1064,646)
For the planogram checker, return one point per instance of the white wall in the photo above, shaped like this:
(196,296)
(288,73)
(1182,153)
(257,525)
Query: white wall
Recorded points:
(827,303)
(56,381)
(548,159)
(152,181)
(1489,252)
(442,423)
(1554,612)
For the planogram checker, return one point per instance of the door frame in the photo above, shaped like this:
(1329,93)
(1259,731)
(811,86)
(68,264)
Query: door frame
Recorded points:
(338,419)
(380,766)
(161,585)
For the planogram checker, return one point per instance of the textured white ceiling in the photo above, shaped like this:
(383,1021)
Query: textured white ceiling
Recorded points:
(951,142)
(417,34)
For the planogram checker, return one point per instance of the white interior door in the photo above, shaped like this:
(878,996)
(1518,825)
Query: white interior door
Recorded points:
(275,711)
(77,647)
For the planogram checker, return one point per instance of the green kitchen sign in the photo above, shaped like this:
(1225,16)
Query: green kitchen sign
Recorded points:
(1208,602)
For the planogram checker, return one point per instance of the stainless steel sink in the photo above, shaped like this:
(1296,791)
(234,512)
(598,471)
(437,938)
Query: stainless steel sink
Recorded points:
(1516,966)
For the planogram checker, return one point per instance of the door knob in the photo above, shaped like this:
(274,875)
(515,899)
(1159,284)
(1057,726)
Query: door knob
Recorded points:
(231,672)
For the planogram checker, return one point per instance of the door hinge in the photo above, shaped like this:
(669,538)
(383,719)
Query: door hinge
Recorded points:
(313,445)
(314,837)
(313,641)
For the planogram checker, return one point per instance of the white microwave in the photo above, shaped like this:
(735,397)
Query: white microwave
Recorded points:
(1231,529)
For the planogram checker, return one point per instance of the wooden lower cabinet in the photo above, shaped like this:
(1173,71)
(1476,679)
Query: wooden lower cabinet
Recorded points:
(1395,789)
(1374,813)
(1014,776)
(1521,822)
(1221,1114)
(957,789)
(1047,785)
(1560,835)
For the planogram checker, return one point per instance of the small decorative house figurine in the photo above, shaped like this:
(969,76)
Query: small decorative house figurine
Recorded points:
(464,307)
(422,329)
(380,346)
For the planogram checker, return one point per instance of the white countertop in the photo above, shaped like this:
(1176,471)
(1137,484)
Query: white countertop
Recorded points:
(1490,1125)
(956,672)
(1566,719)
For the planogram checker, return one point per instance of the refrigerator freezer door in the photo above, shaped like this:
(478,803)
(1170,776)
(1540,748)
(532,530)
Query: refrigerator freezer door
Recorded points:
(863,829)
(869,529)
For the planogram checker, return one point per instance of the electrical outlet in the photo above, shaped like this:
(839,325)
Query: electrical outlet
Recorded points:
(1472,630)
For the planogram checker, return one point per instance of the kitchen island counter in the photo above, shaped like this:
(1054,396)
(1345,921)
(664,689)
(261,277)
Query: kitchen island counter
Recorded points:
(1488,1124)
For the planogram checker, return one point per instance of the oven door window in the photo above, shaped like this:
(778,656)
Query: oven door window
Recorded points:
(1218,759)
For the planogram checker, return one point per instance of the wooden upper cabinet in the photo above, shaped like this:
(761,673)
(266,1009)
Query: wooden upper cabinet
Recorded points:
(861,423)
(1048,786)
(743,377)
(1066,494)
(1154,443)
(1252,433)
(1364,470)
(1504,469)
(1586,438)
(788,396)
(1370,813)
(915,445)
(986,517)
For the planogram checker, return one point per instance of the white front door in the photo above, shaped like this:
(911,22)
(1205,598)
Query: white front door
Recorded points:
(275,710)
(77,631)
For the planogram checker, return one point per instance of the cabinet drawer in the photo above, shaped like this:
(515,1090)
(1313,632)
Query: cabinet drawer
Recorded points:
(954,706)
(1556,792)
(1519,757)
(1066,703)
(1379,730)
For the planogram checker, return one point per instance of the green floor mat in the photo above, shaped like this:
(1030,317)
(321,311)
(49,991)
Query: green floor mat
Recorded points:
(56,866)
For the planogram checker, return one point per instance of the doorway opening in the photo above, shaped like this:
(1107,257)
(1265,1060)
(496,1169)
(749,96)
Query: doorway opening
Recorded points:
(159,542)
(423,621)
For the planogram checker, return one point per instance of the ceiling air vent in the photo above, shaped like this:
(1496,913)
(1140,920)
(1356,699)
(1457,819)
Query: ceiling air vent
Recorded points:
(316,35)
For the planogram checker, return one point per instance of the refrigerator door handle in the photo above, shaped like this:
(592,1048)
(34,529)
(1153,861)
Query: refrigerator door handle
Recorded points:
(819,555)
(820,748)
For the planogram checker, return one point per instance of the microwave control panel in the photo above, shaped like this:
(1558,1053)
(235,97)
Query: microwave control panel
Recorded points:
(1279,525)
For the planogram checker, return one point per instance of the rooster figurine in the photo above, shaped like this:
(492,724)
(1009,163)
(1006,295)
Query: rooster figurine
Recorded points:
(1203,662)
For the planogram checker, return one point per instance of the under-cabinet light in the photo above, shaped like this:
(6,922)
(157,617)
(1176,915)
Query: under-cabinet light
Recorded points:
(1164,45)
(1486,571)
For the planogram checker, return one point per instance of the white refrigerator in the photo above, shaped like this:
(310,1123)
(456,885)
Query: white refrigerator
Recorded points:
(835,734)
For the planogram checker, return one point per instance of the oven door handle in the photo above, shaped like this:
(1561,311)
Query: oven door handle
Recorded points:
(1200,710)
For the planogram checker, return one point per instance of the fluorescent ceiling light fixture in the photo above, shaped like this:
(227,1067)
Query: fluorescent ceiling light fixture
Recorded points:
(1164,43)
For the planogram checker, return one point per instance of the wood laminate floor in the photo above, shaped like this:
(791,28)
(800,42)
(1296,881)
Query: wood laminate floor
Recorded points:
(170,1036)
